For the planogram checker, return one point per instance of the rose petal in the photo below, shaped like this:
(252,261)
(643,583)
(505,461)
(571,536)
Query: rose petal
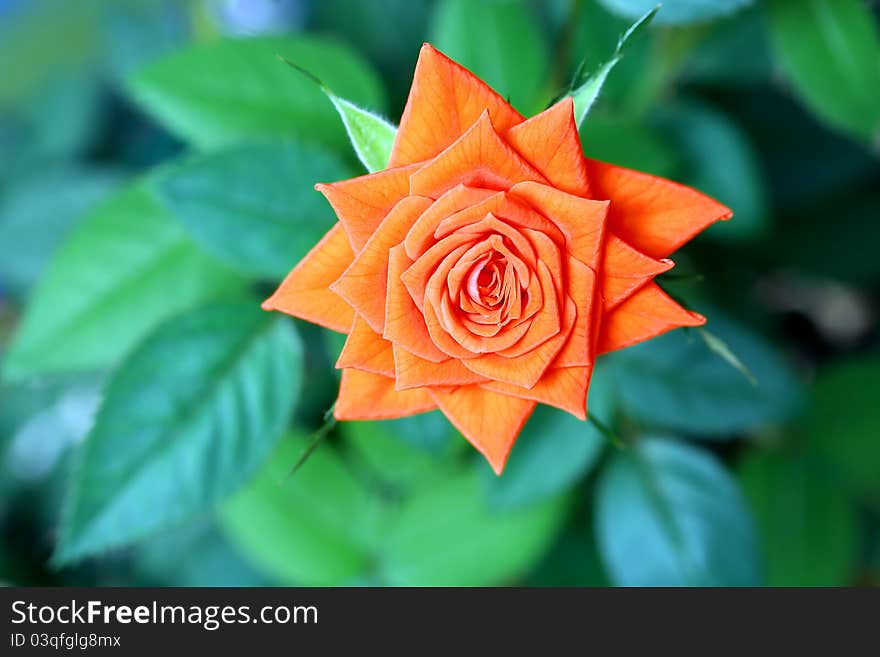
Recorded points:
(654,215)
(363,284)
(646,314)
(579,348)
(414,372)
(489,420)
(526,370)
(505,207)
(562,387)
(581,220)
(368,396)
(444,101)
(306,293)
(421,236)
(404,322)
(366,350)
(550,142)
(361,203)
(625,270)
(480,158)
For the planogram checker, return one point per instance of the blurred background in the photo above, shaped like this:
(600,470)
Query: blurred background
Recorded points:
(134,135)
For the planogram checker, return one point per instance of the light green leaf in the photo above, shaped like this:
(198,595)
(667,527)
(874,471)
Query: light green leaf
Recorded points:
(554,450)
(675,381)
(220,92)
(500,42)
(253,205)
(38,211)
(830,51)
(807,524)
(668,514)
(371,136)
(677,11)
(186,419)
(444,535)
(124,269)
(842,425)
(587,92)
(306,529)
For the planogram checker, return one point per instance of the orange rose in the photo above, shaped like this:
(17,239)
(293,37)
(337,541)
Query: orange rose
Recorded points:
(485,269)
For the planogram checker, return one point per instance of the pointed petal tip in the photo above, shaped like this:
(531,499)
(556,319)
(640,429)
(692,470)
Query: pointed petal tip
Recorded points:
(497,466)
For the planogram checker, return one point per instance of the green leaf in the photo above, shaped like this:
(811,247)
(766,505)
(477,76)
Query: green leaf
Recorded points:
(842,425)
(719,160)
(43,37)
(718,346)
(500,42)
(667,514)
(36,214)
(677,11)
(735,53)
(394,461)
(573,561)
(386,41)
(588,90)
(371,136)
(628,143)
(308,529)
(807,523)
(677,382)
(430,432)
(553,452)
(196,555)
(187,418)
(253,205)
(444,535)
(124,269)
(232,89)
(830,51)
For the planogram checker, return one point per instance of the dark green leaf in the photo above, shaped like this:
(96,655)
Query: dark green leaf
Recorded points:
(628,143)
(254,205)
(719,161)
(588,91)
(807,523)
(186,419)
(676,381)
(829,50)
(735,52)
(677,11)
(196,554)
(308,529)
(236,88)
(430,432)
(500,42)
(667,514)
(393,460)
(444,535)
(842,425)
(125,268)
(390,43)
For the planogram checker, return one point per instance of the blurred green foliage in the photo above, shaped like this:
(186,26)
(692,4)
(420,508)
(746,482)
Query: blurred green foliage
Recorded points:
(157,164)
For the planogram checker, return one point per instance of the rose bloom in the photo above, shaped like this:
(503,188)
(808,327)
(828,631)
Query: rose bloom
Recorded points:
(489,265)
